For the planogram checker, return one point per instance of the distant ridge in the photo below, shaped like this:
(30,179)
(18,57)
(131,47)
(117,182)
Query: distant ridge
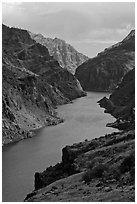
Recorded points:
(63,52)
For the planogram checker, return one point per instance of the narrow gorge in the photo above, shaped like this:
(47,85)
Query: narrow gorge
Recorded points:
(68,102)
(101,169)
(107,163)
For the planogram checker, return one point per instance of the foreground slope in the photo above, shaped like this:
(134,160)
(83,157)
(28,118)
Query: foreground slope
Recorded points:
(98,170)
(33,84)
(102,169)
(64,53)
(105,71)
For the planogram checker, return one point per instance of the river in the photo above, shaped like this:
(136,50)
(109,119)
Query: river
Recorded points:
(84,119)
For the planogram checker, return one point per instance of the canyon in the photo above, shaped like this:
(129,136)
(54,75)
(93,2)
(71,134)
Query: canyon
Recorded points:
(83,119)
(101,169)
(33,85)
(38,76)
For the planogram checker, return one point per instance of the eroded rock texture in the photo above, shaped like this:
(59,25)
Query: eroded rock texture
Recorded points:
(121,103)
(106,70)
(33,84)
(64,53)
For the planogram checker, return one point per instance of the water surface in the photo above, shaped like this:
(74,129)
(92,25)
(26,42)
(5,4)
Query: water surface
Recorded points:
(84,119)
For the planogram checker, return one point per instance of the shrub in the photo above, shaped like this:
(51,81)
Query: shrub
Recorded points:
(98,170)
(132,174)
(95,172)
(87,176)
(128,163)
(115,173)
(96,161)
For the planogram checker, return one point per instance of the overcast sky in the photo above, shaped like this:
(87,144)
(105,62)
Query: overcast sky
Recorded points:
(89,27)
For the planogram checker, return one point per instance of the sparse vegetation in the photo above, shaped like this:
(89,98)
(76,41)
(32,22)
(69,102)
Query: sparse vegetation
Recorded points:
(94,171)
(128,163)
(98,169)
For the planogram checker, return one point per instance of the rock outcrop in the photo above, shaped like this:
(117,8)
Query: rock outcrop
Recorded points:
(64,53)
(109,154)
(121,103)
(33,85)
(106,70)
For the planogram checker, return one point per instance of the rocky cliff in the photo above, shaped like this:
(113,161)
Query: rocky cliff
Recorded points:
(102,169)
(121,103)
(106,70)
(64,53)
(33,84)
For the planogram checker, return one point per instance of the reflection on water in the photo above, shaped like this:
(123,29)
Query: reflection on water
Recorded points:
(84,119)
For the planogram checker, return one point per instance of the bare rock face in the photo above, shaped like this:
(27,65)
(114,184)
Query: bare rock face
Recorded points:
(106,70)
(33,84)
(121,103)
(64,53)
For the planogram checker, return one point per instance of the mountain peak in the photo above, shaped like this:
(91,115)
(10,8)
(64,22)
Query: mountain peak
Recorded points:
(64,53)
(131,34)
(127,43)
(106,70)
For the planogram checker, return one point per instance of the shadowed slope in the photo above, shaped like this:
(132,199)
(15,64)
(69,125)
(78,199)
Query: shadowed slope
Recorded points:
(105,71)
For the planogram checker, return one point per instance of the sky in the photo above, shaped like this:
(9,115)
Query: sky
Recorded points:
(89,27)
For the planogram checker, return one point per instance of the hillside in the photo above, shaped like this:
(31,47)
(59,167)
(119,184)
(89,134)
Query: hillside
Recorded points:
(61,51)
(100,170)
(121,103)
(33,85)
(106,70)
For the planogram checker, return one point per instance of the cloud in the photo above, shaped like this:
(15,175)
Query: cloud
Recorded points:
(73,22)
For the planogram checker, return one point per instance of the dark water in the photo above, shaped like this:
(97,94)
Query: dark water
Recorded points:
(84,119)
